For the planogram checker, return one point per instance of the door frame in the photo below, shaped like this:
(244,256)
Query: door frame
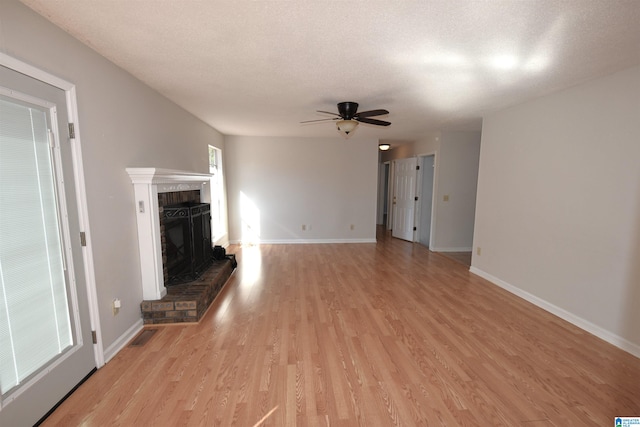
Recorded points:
(80,188)
(389,195)
(420,206)
(384,174)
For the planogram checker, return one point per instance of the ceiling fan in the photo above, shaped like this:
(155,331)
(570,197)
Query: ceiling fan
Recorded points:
(348,117)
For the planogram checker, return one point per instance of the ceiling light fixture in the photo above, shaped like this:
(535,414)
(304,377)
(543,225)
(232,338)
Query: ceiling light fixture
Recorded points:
(346,126)
(384,147)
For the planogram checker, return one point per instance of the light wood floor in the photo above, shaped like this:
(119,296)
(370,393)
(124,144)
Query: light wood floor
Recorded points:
(380,334)
(461,257)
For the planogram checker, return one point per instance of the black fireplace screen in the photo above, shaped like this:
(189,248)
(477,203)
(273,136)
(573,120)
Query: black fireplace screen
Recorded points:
(187,230)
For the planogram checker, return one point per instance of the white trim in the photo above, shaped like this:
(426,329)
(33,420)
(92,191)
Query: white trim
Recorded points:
(36,73)
(123,340)
(305,241)
(147,183)
(172,177)
(83,215)
(581,323)
(222,240)
(78,170)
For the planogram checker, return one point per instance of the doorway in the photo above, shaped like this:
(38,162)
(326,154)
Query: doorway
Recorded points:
(386,215)
(425,210)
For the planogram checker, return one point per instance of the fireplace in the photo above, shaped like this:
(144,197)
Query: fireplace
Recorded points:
(186,241)
(152,186)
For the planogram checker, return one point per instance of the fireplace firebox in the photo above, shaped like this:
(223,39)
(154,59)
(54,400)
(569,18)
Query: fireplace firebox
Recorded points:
(187,239)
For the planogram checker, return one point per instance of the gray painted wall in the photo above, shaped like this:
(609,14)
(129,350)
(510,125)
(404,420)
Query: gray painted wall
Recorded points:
(281,184)
(558,210)
(122,123)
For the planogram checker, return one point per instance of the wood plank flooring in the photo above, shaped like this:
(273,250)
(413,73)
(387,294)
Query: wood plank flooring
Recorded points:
(382,334)
(461,257)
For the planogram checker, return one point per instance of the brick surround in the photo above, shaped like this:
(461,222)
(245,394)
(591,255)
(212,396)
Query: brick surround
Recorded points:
(186,302)
(189,301)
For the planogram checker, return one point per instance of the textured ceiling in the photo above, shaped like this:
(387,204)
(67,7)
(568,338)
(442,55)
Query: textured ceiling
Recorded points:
(259,68)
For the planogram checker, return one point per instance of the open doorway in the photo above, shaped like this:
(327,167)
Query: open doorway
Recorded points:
(383,215)
(425,196)
(385,193)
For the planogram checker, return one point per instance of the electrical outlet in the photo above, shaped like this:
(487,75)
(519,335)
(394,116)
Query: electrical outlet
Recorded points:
(445,198)
(116,306)
(479,251)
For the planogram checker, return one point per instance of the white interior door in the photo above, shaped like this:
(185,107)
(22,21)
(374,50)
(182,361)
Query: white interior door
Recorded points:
(46,345)
(404,198)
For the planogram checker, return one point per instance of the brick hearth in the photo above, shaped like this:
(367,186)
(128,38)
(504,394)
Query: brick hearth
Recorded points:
(189,301)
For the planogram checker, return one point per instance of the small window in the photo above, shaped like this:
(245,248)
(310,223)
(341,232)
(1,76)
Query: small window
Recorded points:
(218,216)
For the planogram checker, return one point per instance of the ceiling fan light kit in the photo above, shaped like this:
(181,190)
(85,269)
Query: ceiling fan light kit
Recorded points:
(348,117)
(346,126)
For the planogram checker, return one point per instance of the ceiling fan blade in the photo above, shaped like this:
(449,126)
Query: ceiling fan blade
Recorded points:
(372,121)
(328,112)
(319,120)
(372,113)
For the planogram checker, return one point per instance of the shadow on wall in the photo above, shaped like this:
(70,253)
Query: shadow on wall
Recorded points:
(629,316)
(630,311)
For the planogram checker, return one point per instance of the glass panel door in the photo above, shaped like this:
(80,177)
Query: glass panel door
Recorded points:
(45,331)
(31,257)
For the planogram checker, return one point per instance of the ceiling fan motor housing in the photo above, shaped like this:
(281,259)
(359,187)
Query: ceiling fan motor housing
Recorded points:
(347,110)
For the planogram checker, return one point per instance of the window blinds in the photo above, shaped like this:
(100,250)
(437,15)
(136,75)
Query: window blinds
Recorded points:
(34,314)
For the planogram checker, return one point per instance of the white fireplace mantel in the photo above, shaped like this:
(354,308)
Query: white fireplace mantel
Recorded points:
(147,184)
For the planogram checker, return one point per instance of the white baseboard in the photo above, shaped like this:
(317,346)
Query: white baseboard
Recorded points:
(581,323)
(306,241)
(222,240)
(464,249)
(122,341)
